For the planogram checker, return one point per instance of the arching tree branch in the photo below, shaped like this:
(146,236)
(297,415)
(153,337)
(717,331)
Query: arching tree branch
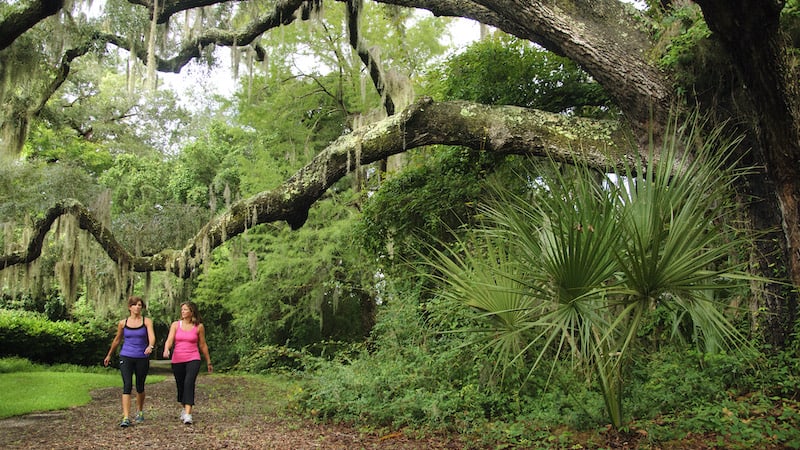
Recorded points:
(499,129)
(20,21)
(607,38)
(284,13)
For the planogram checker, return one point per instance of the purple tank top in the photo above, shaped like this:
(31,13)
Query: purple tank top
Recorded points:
(135,341)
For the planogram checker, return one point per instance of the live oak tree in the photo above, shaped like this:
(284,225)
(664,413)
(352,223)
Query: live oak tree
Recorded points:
(734,61)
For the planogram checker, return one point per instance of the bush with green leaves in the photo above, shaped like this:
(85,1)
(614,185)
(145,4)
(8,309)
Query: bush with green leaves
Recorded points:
(274,358)
(408,374)
(426,201)
(33,336)
(741,423)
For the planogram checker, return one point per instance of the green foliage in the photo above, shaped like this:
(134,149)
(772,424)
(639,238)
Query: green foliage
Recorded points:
(753,421)
(295,118)
(167,225)
(504,70)
(98,109)
(418,375)
(403,384)
(137,183)
(145,216)
(45,301)
(790,24)
(684,28)
(27,189)
(13,364)
(50,145)
(207,171)
(275,286)
(32,336)
(685,51)
(590,261)
(273,359)
(674,381)
(430,199)
(123,17)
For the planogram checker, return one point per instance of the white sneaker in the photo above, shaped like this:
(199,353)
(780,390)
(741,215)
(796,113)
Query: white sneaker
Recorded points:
(187,419)
(183,414)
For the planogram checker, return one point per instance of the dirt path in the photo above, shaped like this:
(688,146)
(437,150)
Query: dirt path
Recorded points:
(231,413)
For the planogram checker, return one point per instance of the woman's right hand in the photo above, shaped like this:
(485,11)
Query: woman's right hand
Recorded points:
(106,361)
(166,353)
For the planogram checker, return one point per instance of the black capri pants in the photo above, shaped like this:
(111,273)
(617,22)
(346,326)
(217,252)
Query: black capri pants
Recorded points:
(185,380)
(128,367)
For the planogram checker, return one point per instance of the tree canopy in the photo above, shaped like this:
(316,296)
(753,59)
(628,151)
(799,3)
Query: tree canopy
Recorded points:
(736,62)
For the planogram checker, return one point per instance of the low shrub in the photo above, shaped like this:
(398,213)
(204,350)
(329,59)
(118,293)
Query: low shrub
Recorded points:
(32,336)
(274,358)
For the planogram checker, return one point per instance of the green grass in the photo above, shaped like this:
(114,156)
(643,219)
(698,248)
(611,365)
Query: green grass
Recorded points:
(42,388)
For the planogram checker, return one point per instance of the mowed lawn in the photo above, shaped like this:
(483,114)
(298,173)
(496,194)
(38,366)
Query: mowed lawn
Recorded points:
(26,392)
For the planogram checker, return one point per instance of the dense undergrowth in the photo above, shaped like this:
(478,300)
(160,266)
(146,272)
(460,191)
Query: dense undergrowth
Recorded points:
(411,377)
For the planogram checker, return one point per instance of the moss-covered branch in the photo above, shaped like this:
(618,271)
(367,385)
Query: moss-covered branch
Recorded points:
(499,129)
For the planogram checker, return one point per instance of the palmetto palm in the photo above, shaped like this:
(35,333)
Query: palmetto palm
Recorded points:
(573,270)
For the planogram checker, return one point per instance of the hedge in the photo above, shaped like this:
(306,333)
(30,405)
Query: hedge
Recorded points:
(31,335)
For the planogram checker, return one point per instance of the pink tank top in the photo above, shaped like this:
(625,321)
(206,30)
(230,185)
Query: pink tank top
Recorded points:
(186,345)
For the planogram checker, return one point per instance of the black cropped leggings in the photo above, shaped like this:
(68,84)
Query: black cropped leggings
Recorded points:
(185,379)
(128,367)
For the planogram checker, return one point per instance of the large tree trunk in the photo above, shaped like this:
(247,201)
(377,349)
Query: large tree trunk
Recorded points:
(749,32)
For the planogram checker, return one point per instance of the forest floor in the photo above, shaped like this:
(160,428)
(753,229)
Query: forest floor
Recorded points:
(242,412)
(231,412)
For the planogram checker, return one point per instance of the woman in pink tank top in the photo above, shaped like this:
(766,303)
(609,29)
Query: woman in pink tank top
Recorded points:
(188,336)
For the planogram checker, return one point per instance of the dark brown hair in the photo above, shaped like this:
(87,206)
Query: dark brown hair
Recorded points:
(132,300)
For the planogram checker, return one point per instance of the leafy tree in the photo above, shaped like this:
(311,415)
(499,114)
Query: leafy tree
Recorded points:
(503,70)
(207,170)
(51,145)
(430,199)
(29,187)
(136,183)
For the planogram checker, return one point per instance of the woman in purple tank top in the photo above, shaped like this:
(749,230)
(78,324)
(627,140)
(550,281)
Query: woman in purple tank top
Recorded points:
(138,341)
(189,338)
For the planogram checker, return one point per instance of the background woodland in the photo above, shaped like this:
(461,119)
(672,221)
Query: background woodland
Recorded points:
(587,216)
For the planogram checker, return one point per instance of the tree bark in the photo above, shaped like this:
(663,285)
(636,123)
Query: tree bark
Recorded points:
(608,39)
(749,31)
